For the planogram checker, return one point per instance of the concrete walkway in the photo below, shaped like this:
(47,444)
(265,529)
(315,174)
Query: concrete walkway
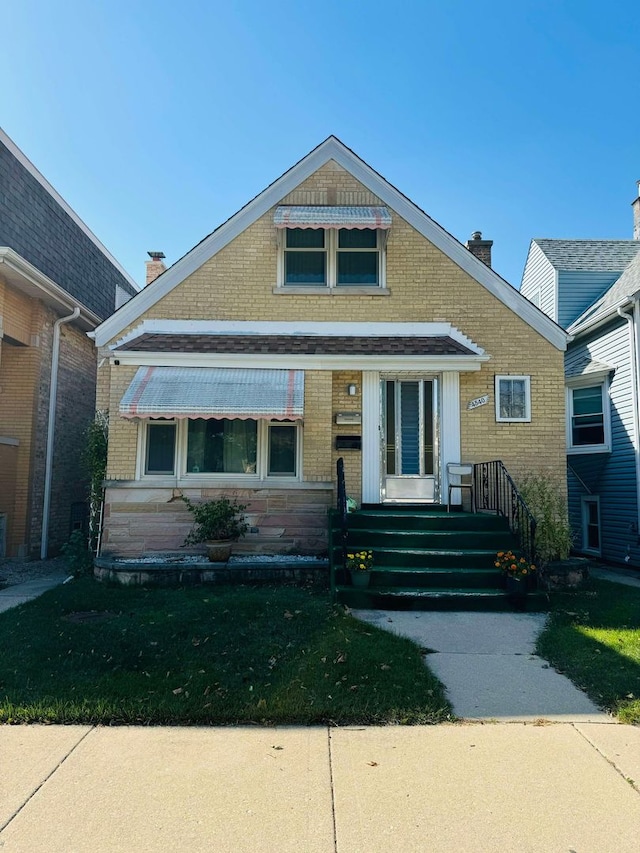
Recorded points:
(19,593)
(463,788)
(487,663)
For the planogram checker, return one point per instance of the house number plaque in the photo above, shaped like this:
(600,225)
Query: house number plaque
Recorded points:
(479,401)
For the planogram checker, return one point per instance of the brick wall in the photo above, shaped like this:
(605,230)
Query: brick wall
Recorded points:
(424,285)
(25,376)
(35,225)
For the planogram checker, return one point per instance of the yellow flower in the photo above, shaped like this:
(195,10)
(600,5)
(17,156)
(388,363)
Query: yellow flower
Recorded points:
(524,571)
(497,565)
(350,556)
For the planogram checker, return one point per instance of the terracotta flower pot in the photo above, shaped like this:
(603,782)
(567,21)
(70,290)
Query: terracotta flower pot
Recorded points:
(219,550)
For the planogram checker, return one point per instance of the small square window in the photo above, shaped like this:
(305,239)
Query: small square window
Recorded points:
(513,399)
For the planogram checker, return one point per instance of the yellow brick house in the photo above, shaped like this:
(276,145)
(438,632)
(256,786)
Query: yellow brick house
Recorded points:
(330,317)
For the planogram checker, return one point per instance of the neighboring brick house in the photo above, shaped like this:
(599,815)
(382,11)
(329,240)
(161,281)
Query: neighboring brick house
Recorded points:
(50,265)
(329,317)
(592,288)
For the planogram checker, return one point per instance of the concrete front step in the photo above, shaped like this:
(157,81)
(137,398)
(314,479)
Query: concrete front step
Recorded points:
(394,598)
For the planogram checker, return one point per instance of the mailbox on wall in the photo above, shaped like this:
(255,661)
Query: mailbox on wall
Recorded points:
(348,442)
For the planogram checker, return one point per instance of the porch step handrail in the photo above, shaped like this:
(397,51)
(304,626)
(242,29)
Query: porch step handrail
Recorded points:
(342,517)
(495,491)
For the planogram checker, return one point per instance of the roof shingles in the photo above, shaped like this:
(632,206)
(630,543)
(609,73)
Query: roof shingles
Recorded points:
(295,344)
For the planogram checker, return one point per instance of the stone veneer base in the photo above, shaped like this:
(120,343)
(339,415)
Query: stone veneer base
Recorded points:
(166,573)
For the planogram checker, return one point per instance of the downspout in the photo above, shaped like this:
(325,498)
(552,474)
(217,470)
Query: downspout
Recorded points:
(51,427)
(634,340)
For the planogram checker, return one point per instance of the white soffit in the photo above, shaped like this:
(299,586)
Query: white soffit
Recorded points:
(331,149)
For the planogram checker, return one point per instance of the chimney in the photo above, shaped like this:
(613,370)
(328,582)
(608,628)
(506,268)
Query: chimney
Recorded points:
(635,204)
(480,248)
(155,266)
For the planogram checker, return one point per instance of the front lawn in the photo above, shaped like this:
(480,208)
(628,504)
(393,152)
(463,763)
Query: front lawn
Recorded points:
(90,653)
(593,637)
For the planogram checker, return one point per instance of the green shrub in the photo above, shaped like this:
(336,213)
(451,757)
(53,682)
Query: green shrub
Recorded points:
(544,499)
(78,554)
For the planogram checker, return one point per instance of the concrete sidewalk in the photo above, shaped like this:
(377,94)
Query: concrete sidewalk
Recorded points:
(12,596)
(459,788)
(487,663)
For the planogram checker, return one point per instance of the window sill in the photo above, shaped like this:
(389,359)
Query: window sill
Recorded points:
(291,290)
(588,449)
(160,482)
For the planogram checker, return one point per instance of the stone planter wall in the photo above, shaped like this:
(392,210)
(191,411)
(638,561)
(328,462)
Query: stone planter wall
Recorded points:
(561,575)
(141,521)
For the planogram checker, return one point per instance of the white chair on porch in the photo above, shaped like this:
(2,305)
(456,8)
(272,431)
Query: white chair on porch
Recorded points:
(459,470)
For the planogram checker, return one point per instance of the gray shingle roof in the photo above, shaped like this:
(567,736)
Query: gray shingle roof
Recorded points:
(591,255)
(626,285)
(296,345)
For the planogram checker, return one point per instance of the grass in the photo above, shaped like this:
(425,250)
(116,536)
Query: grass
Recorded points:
(593,637)
(90,653)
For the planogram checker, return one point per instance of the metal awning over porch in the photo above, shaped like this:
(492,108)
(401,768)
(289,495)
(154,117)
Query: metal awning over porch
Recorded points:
(210,392)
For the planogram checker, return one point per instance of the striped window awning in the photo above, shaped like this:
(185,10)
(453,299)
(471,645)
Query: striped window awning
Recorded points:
(300,216)
(208,392)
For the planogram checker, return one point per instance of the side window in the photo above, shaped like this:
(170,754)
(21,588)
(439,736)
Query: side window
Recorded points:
(282,450)
(587,416)
(160,450)
(513,399)
(591,524)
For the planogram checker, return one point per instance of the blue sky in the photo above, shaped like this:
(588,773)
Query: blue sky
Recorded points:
(156,121)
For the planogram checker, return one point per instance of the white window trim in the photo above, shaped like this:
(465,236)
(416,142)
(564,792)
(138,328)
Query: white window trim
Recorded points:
(588,382)
(585,500)
(141,455)
(331,251)
(261,474)
(527,390)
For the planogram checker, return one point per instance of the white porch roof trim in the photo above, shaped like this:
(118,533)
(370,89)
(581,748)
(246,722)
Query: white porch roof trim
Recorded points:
(211,392)
(303,216)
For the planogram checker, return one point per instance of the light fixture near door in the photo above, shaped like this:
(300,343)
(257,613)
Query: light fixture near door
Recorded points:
(352,389)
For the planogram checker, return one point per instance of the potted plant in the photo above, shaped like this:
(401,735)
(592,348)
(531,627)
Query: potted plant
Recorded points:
(359,564)
(516,571)
(218,523)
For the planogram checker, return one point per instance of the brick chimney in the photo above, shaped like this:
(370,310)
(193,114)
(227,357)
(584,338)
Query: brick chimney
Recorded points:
(480,248)
(635,204)
(155,266)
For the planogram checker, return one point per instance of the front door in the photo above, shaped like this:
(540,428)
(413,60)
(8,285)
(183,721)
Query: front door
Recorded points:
(410,470)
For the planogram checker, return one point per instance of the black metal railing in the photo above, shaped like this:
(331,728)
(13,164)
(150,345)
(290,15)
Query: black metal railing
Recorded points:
(342,523)
(495,491)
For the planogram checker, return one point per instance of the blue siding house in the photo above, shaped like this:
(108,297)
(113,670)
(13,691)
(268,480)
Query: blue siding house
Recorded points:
(592,289)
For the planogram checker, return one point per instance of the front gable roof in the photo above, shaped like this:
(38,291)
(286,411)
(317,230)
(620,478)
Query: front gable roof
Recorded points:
(330,149)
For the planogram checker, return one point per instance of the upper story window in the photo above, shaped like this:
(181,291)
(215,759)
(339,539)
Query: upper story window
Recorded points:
(513,399)
(331,258)
(588,429)
(331,247)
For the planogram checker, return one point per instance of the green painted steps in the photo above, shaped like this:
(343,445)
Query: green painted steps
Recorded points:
(423,557)
(441,521)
